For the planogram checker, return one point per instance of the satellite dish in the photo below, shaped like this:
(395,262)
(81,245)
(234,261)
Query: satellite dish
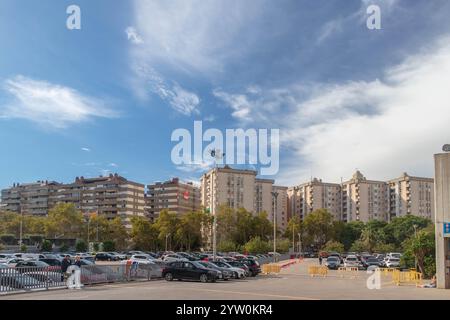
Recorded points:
(446,148)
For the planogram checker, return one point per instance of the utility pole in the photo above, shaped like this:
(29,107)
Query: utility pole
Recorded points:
(21,217)
(415,236)
(293,235)
(274,205)
(216,155)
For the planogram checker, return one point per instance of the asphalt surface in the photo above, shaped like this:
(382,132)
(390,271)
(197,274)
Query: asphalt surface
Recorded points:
(293,283)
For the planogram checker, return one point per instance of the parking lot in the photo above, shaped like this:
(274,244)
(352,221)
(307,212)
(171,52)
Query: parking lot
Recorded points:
(292,283)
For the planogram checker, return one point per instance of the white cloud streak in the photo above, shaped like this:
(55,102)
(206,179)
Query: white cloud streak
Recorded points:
(49,105)
(383,127)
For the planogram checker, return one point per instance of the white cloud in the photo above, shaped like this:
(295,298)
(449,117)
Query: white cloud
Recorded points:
(86,149)
(194,35)
(383,127)
(115,165)
(180,99)
(49,105)
(133,36)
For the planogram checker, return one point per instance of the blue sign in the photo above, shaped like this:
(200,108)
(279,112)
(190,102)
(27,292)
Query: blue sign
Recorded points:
(446,229)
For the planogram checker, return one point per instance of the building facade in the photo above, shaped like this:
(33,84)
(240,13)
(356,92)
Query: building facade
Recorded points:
(111,196)
(173,195)
(237,189)
(28,198)
(411,195)
(314,195)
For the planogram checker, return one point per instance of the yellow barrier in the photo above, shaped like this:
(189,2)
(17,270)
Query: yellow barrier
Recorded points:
(399,277)
(386,271)
(271,268)
(317,271)
(353,271)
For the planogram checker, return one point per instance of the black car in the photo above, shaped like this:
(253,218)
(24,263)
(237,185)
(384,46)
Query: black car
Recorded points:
(191,270)
(103,256)
(370,261)
(253,266)
(226,274)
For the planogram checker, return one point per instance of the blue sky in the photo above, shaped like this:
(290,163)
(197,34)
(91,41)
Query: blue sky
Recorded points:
(106,98)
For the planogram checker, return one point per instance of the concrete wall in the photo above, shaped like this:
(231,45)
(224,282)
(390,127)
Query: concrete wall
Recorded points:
(442,214)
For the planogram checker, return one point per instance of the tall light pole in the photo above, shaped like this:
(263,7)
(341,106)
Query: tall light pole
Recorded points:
(274,205)
(293,236)
(415,236)
(167,236)
(216,155)
(299,243)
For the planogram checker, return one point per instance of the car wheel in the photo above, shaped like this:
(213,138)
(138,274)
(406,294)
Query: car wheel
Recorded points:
(204,278)
(169,277)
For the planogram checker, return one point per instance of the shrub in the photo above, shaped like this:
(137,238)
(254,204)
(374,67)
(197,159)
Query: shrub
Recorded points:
(333,246)
(23,248)
(81,246)
(257,245)
(227,246)
(46,246)
(8,239)
(109,246)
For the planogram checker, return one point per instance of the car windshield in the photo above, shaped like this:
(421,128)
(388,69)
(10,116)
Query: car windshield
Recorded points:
(332,259)
(394,260)
(351,259)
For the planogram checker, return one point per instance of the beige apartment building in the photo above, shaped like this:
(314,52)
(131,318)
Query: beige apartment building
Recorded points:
(364,200)
(173,195)
(281,207)
(28,198)
(411,195)
(314,195)
(237,188)
(112,196)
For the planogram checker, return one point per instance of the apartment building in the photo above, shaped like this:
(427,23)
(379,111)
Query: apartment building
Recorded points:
(281,207)
(28,198)
(314,195)
(364,200)
(173,195)
(237,188)
(411,195)
(112,196)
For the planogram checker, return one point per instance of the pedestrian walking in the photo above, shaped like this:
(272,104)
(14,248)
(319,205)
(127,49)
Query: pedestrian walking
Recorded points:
(64,265)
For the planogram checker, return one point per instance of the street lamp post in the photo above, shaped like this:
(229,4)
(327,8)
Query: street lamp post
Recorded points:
(299,243)
(274,206)
(415,236)
(167,236)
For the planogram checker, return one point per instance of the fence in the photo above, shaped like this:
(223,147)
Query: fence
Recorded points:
(30,278)
(352,271)
(399,277)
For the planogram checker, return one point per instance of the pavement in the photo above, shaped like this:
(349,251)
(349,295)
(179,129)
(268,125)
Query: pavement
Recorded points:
(293,283)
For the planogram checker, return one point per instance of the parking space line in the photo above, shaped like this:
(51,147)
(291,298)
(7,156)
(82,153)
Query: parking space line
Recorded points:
(256,294)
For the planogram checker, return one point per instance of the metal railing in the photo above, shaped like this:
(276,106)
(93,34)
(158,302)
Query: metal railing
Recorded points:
(30,278)
(95,274)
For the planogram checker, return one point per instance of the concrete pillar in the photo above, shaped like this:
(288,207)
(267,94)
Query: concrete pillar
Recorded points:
(442,215)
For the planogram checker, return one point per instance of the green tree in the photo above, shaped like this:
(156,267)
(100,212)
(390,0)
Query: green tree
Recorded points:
(46,246)
(109,246)
(333,246)
(227,246)
(401,228)
(118,233)
(422,247)
(261,226)
(257,245)
(167,225)
(293,228)
(318,228)
(64,220)
(81,246)
(189,230)
(358,246)
(144,234)
(347,233)
(23,248)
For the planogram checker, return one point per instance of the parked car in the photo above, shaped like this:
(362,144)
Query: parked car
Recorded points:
(11,263)
(32,256)
(333,263)
(118,255)
(55,264)
(394,255)
(392,262)
(189,270)
(241,265)
(32,263)
(371,261)
(253,265)
(351,261)
(173,257)
(142,258)
(187,256)
(223,273)
(238,273)
(103,256)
